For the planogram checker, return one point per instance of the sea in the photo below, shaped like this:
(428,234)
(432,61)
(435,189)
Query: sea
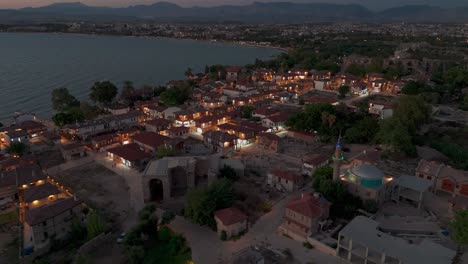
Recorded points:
(33,64)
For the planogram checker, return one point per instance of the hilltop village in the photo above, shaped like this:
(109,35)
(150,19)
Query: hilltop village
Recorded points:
(263,163)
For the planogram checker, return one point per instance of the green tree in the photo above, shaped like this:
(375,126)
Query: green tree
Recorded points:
(223,235)
(229,173)
(203,203)
(136,254)
(459,229)
(90,111)
(363,131)
(62,100)
(103,92)
(356,69)
(177,95)
(164,151)
(95,225)
(16,148)
(414,88)
(188,73)
(128,90)
(412,111)
(397,135)
(343,90)
(247,111)
(74,115)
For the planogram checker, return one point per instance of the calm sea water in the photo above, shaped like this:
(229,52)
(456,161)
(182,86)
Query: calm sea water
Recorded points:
(32,65)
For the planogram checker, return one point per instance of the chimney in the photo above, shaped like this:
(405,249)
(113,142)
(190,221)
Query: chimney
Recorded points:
(302,195)
(317,195)
(75,198)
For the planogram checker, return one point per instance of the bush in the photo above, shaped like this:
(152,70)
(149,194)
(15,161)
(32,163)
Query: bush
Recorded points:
(307,245)
(265,207)
(223,235)
(371,206)
(167,217)
(147,211)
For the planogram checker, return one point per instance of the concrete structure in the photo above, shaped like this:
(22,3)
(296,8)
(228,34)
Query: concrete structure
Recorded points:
(410,188)
(130,155)
(367,182)
(52,221)
(362,242)
(268,141)
(169,177)
(304,216)
(14,182)
(383,111)
(220,141)
(314,162)
(73,151)
(444,178)
(284,180)
(230,220)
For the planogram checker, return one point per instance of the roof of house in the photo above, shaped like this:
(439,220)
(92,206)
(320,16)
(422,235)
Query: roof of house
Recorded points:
(101,138)
(413,183)
(26,175)
(130,152)
(308,205)
(365,232)
(279,117)
(32,125)
(73,145)
(158,122)
(151,139)
(269,136)
(219,136)
(230,216)
(41,214)
(39,192)
(286,175)
(458,176)
(316,159)
(429,167)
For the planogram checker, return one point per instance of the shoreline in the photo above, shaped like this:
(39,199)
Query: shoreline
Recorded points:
(228,42)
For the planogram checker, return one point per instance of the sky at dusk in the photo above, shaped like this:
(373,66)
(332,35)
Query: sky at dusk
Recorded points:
(372,4)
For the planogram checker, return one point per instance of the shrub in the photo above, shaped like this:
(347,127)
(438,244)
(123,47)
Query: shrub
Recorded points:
(167,217)
(223,236)
(307,245)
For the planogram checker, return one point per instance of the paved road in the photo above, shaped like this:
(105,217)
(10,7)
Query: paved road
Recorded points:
(208,248)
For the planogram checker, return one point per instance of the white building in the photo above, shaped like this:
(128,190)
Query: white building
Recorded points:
(362,242)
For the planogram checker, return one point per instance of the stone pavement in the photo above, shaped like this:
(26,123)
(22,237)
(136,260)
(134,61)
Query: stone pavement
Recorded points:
(208,248)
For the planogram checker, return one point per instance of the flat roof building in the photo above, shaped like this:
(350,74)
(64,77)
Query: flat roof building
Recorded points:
(361,241)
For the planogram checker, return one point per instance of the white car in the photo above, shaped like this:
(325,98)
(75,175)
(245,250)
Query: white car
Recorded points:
(121,238)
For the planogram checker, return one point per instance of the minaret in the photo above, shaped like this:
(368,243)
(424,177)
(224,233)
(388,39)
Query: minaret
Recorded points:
(337,158)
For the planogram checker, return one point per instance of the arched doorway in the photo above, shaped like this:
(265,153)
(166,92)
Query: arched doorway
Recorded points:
(156,190)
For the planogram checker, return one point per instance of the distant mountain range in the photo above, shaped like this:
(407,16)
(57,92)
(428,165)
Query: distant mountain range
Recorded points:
(255,13)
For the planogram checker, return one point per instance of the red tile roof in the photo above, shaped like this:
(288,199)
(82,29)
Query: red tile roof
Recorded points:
(151,139)
(158,122)
(230,216)
(308,205)
(279,117)
(316,159)
(130,152)
(286,175)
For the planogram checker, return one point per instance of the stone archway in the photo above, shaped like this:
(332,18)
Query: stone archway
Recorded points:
(156,190)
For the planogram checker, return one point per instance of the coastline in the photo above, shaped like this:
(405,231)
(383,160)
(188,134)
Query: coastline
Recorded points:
(228,42)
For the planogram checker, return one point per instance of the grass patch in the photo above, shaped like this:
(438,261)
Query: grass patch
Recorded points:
(9,217)
(307,245)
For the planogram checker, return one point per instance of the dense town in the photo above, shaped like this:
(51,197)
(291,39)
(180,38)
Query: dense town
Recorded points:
(331,154)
